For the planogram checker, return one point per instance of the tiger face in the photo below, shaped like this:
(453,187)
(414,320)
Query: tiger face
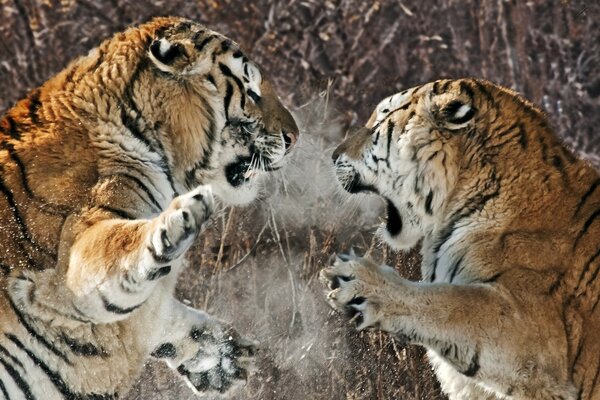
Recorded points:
(227,125)
(510,225)
(407,153)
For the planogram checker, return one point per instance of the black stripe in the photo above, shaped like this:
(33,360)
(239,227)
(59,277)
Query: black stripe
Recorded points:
(16,377)
(428,201)
(34,106)
(165,350)
(5,269)
(113,308)
(211,79)
(158,258)
(128,104)
(473,367)
(578,352)
(586,268)
(492,278)
(586,196)
(55,378)
(445,84)
(131,124)
(20,221)
(455,267)
(225,45)
(144,188)
(523,140)
(227,99)
(506,131)
(466,89)
(84,349)
(166,168)
(13,130)
(390,130)
(120,213)
(377,132)
(200,46)
(586,227)
(31,330)
(54,209)
(153,144)
(254,96)
(15,360)
(484,91)
(3,389)
(474,204)
(204,162)
(227,72)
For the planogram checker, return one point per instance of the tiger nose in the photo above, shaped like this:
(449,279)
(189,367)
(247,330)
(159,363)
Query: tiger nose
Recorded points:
(290,139)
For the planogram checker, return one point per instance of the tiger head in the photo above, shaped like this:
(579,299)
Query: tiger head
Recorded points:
(223,122)
(409,152)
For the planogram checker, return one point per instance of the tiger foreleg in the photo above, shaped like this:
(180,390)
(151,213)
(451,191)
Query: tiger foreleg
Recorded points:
(476,329)
(207,353)
(114,264)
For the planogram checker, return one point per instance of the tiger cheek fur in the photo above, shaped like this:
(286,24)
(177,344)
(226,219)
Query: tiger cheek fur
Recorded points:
(107,176)
(508,219)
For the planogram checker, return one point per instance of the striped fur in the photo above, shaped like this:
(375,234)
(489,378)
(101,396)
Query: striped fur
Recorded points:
(107,173)
(510,229)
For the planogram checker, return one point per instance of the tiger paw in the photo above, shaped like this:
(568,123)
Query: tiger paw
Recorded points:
(180,223)
(223,362)
(361,289)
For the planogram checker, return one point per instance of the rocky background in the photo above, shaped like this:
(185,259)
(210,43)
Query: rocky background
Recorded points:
(332,61)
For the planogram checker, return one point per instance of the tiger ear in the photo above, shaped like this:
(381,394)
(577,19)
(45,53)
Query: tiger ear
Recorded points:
(167,55)
(454,115)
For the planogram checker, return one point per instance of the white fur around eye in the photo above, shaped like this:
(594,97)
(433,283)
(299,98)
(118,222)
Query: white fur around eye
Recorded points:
(247,72)
(252,74)
(165,45)
(462,111)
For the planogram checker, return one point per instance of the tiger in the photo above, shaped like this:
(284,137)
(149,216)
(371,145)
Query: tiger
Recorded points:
(107,176)
(508,221)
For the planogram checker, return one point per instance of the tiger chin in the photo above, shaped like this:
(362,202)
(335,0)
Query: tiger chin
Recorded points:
(509,223)
(107,175)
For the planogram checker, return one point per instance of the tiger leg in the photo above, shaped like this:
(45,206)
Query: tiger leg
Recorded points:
(206,352)
(114,264)
(477,329)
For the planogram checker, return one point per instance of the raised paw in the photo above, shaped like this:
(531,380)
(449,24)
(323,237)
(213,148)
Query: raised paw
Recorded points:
(361,289)
(180,223)
(223,362)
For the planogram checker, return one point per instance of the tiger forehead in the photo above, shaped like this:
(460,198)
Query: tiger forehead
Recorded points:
(212,48)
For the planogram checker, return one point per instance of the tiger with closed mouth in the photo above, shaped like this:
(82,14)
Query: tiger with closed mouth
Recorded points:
(107,174)
(508,219)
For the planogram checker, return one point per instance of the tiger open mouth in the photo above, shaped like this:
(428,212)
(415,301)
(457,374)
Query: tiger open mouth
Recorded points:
(243,169)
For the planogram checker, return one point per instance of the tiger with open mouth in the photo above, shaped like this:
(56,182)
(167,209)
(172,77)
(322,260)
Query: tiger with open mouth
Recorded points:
(509,223)
(107,174)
